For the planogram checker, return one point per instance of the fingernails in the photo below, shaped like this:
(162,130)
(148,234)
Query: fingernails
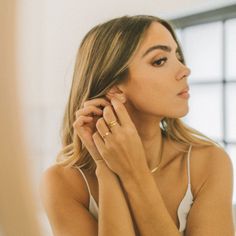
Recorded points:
(120,98)
(113,101)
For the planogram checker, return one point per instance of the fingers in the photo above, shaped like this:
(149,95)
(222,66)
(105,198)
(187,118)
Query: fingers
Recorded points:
(102,127)
(92,107)
(99,102)
(121,112)
(89,110)
(82,120)
(109,116)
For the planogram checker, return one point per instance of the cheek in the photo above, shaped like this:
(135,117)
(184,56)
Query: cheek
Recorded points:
(147,92)
(148,99)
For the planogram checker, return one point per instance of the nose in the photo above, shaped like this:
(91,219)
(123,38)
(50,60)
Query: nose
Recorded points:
(183,72)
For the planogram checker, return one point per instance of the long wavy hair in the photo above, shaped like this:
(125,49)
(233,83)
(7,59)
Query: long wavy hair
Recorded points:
(102,61)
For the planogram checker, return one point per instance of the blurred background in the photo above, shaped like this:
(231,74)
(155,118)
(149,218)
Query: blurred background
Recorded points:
(48,34)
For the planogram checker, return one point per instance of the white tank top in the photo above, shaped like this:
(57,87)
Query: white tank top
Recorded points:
(183,208)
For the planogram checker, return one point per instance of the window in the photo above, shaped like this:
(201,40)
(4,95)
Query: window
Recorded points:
(208,41)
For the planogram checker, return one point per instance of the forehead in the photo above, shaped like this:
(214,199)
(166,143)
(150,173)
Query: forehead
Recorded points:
(156,34)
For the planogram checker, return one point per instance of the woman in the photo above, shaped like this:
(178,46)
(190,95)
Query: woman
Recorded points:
(125,150)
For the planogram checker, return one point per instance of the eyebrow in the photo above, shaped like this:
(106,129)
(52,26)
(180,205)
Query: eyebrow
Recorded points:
(161,47)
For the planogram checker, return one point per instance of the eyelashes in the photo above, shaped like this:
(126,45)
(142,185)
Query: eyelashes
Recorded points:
(162,61)
(159,62)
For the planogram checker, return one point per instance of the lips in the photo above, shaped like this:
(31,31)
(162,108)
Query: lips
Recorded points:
(185,90)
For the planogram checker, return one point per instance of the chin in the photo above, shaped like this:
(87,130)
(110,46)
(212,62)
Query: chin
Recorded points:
(184,113)
(179,113)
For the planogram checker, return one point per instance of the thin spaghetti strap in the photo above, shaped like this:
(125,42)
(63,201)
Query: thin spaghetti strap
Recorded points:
(188,159)
(84,179)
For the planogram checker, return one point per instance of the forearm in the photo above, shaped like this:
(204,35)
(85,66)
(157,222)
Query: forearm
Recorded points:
(149,211)
(114,215)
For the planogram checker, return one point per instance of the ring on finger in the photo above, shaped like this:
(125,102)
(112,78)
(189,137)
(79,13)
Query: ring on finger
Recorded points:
(106,134)
(112,123)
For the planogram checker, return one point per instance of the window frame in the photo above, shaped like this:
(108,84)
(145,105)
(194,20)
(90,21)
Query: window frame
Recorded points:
(220,14)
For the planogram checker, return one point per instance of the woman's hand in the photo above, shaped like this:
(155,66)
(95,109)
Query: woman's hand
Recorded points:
(122,148)
(85,124)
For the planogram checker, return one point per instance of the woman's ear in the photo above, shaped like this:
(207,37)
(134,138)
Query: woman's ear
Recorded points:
(114,91)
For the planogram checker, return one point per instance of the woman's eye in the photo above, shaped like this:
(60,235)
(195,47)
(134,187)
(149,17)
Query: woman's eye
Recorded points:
(160,61)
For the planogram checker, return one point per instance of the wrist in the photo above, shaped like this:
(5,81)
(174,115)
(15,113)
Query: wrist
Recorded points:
(102,169)
(136,177)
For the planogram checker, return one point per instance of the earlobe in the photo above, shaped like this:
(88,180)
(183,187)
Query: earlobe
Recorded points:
(116,92)
(112,90)
(121,98)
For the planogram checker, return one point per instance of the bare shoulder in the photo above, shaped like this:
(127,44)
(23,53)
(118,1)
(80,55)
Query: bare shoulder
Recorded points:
(220,163)
(210,158)
(67,182)
(63,195)
(219,155)
(208,161)
(213,196)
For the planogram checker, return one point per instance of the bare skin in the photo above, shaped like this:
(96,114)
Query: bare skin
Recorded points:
(157,86)
(172,178)
(171,183)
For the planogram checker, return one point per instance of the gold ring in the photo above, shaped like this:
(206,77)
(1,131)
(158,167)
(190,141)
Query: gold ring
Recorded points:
(104,136)
(112,123)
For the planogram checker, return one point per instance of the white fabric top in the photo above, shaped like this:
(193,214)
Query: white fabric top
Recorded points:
(183,208)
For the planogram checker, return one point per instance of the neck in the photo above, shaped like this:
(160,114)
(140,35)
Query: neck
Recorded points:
(154,150)
(148,127)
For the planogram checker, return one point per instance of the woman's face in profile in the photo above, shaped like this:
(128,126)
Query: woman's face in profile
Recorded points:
(156,76)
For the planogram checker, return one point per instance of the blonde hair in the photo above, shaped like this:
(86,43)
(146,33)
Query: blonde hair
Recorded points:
(102,61)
